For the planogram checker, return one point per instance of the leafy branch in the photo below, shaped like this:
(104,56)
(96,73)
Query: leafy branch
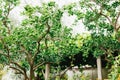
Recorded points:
(41,38)
(4,21)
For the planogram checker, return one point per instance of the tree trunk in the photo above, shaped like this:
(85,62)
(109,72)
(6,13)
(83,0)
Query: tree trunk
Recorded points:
(99,68)
(31,73)
(47,71)
(26,77)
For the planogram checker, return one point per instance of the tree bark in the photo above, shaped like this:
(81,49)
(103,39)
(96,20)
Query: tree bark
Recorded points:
(99,68)
(47,71)
(26,77)
(31,73)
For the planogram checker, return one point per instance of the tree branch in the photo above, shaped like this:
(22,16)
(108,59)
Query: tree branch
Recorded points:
(46,32)
(62,72)
(117,28)
(38,50)
(16,69)
(91,8)
(46,45)
(27,53)
(107,58)
(38,65)
(107,18)
(43,73)
(39,40)
(19,66)
(1,52)
(5,20)
(7,49)
(116,20)
(20,71)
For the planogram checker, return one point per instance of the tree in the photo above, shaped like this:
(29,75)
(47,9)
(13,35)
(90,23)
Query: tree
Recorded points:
(41,39)
(101,18)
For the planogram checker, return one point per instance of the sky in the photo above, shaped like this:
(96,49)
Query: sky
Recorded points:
(15,14)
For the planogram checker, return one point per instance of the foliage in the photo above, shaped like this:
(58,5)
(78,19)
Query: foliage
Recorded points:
(40,39)
(99,23)
(101,18)
(82,76)
(115,70)
(99,45)
(1,71)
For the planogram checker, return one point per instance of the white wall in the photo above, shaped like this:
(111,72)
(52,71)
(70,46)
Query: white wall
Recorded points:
(92,73)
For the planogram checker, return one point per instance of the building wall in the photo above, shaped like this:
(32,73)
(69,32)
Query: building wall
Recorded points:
(92,73)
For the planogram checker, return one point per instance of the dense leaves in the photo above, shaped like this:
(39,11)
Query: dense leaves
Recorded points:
(40,39)
(101,18)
